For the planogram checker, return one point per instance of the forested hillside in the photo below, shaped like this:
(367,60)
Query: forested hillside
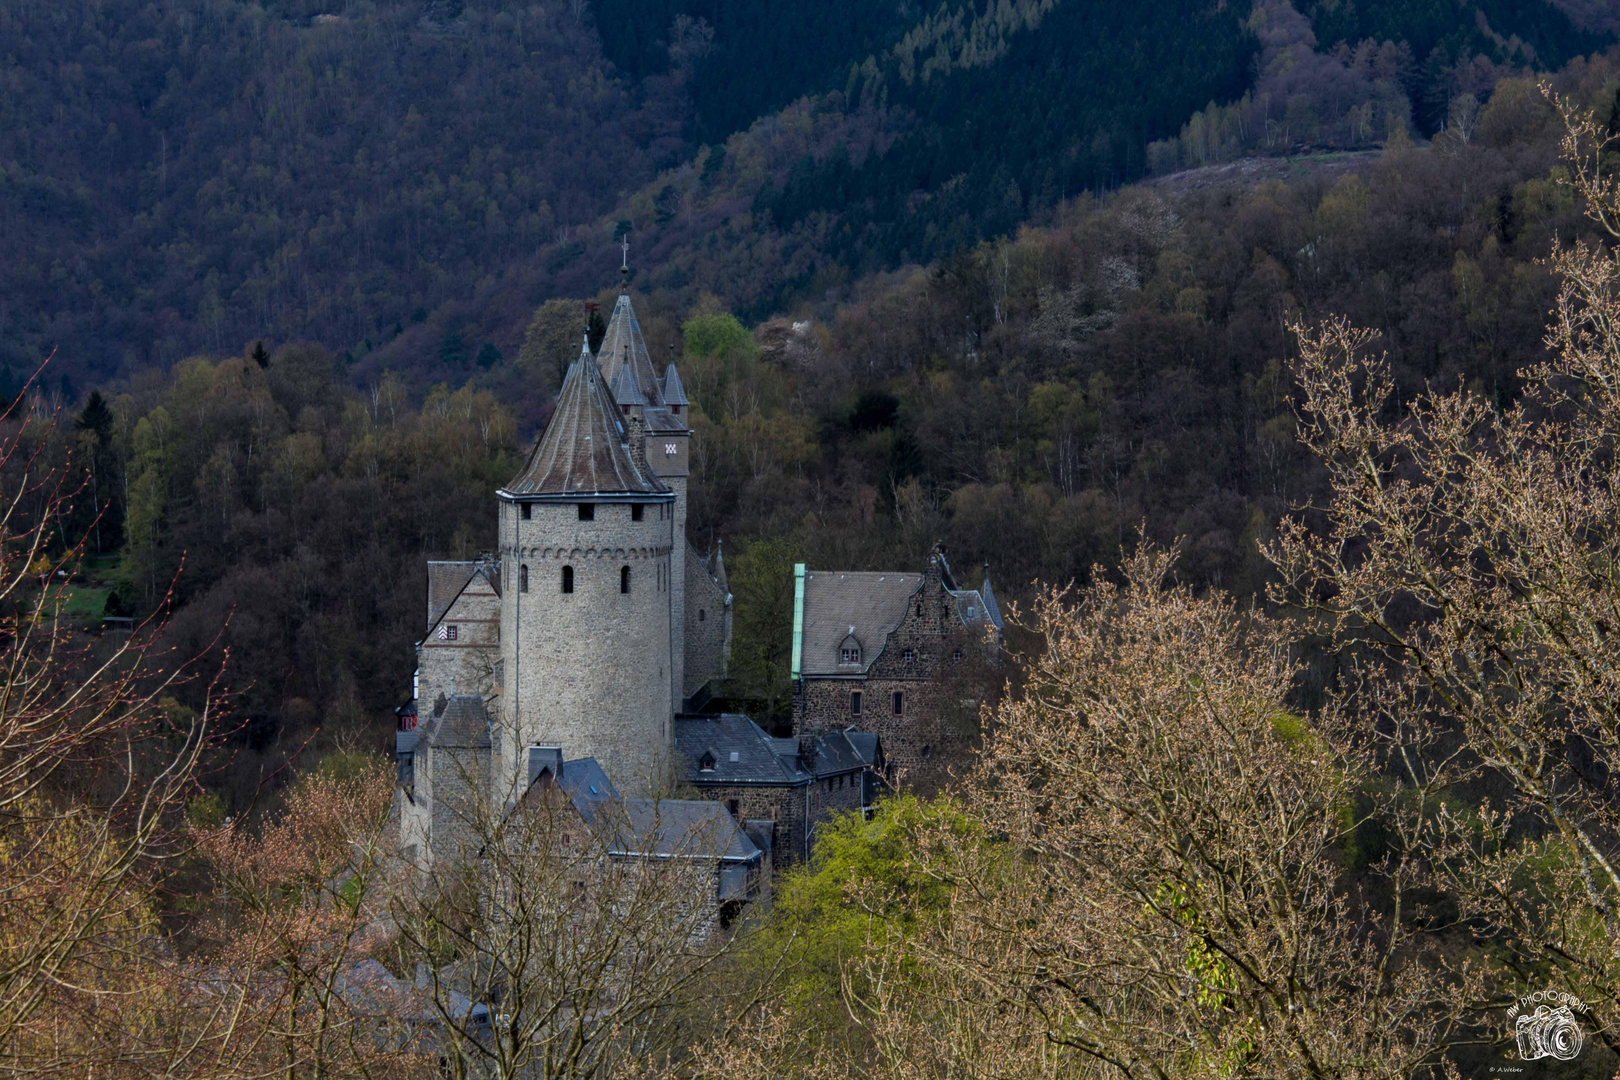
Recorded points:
(183,177)
(411,179)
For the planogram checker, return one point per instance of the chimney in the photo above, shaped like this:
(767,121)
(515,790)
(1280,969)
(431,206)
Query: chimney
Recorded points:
(637,429)
(542,758)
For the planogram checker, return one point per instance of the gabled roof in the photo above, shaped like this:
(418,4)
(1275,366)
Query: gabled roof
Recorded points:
(583,450)
(761,759)
(839,603)
(463,723)
(448,580)
(444,584)
(663,827)
(727,734)
(692,827)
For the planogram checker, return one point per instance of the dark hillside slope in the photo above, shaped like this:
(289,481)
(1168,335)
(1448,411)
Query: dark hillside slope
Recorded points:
(1069,106)
(748,57)
(180,177)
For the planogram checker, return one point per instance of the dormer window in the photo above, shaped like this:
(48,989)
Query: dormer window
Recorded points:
(849,650)
(706,762)
(849,656)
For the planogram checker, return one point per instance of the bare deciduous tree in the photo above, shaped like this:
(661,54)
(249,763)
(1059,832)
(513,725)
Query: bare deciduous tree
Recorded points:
(95,757)
(1476,550)
(572,940)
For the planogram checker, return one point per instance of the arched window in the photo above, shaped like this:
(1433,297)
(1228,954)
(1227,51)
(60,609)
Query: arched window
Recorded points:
(568,579)
(523,576)
(624,579)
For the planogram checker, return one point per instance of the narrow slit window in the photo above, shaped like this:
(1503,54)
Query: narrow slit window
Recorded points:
(899,703)
(624,579)
(528,511)
(568,581)
(855,703)
(636,511)
(523,579)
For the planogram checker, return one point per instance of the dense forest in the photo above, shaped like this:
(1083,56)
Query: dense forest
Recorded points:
(412,179)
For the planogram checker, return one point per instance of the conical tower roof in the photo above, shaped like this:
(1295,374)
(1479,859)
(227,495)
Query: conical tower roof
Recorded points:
(674,392)
(623,346)
(583,450)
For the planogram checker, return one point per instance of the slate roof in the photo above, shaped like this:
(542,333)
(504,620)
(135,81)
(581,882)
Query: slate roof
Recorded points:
(727,734)
(991,606)
(836,753)
(972,607)
(661,421)
(652,826)
(674,392)
(623,346)
(463,723)
(695,827)
(762,759)
(583,450)
(625,390)
(838,603)
(587,786)
(445,582)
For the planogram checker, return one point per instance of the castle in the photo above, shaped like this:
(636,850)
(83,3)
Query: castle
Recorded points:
(595,626)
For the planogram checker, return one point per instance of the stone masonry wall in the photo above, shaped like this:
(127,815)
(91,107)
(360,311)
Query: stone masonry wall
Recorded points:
(465,664)
(589,670)
(791,808)
(937,724)
(458,780)
(707,623)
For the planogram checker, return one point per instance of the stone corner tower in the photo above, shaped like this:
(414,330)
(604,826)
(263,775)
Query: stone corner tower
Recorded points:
(589,532)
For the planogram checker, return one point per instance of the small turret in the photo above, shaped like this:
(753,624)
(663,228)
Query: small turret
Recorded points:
(674,392)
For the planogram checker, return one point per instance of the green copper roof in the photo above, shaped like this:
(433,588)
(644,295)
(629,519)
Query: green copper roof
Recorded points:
(798,617)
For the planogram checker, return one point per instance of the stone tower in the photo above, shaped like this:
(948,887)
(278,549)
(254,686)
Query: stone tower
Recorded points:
(660,405)
(587,536)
